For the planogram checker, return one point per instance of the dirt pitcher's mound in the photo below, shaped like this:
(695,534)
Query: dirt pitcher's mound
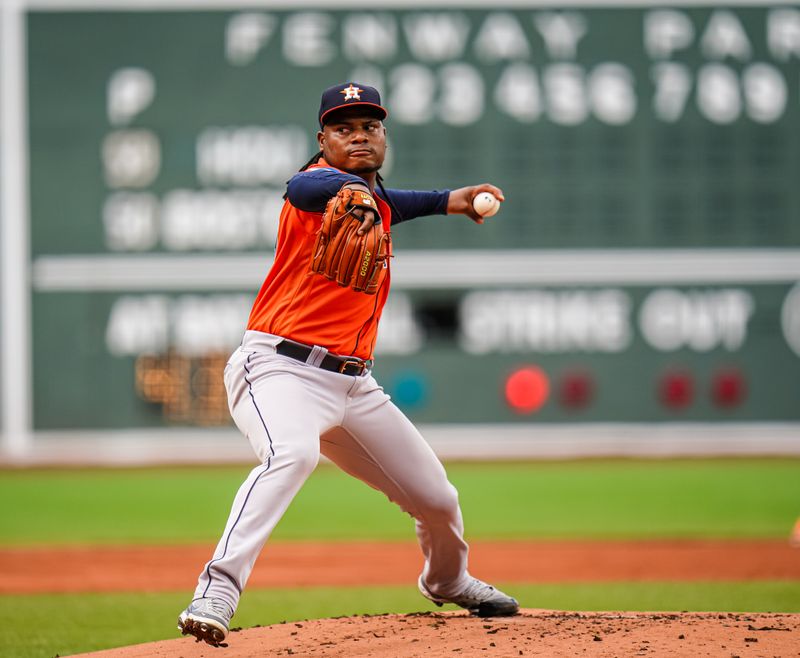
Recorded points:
(532,633)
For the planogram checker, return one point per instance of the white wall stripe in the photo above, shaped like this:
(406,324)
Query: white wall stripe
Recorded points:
(430,269)
(15,375)
(469,441)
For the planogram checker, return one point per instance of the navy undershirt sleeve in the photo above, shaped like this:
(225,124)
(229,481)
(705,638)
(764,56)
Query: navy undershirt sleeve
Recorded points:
(413,203)
(310,190)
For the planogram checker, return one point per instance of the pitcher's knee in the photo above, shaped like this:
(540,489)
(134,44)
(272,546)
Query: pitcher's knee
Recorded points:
(299,456)
(304,459)
(308,462)
(442,503)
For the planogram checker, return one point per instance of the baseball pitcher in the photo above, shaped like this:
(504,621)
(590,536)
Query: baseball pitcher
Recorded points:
(300,384)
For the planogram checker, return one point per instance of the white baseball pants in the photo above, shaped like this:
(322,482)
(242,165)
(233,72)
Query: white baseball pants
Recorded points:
(291,412)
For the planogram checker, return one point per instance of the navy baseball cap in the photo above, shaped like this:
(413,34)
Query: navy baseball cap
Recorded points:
(350,94)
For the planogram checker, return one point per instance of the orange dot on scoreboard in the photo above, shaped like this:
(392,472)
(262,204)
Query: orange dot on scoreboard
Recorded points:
(527,389)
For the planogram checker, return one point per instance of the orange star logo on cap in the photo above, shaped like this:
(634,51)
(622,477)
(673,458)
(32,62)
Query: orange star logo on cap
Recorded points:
(351,92)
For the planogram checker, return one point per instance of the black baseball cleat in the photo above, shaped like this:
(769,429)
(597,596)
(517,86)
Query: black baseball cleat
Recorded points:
(207,620)
(479,598)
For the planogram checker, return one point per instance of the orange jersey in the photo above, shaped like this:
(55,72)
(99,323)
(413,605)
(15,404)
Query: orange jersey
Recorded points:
(296,303)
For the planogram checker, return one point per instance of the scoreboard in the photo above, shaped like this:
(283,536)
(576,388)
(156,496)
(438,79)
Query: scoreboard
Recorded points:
(644,268)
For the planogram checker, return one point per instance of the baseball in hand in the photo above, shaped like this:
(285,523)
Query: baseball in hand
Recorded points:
(485,204)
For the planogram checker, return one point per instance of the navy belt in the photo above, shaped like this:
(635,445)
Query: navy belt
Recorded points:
(346,365)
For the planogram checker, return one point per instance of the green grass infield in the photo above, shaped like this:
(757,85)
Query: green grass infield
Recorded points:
(63,624)
(708,498)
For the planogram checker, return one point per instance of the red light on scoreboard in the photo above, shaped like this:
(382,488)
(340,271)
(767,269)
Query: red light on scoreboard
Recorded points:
(576,389)
(527,389)
(676,389)
(728,388)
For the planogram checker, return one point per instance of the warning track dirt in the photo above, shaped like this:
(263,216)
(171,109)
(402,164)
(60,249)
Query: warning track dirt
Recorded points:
(352,564)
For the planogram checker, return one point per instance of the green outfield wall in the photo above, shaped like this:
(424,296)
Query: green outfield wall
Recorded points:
(645,267)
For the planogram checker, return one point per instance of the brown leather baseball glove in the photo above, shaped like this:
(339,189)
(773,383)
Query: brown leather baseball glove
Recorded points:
(341,253)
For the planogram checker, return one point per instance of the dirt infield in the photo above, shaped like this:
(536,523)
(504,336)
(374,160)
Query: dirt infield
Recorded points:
(297,564)
(532,633)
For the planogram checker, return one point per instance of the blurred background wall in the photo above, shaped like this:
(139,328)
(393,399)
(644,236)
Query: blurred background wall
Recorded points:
(638,293)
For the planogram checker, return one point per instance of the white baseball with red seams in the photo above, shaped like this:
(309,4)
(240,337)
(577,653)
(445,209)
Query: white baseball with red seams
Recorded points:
(486,204)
